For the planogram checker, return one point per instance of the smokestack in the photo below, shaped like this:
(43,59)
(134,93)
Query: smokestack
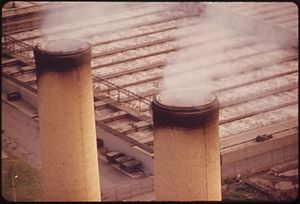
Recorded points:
(186,146)
(67,121)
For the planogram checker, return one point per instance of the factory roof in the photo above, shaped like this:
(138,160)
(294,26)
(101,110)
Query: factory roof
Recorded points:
(246,53)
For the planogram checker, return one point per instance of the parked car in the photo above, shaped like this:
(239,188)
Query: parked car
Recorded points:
(261,138)
(112,156)
(123,159)
(131,166)
(14,96)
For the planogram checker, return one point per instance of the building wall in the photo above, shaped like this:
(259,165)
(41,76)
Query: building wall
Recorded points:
(26,95)
(279,151)
(259,156)
(128,191)
(112,142)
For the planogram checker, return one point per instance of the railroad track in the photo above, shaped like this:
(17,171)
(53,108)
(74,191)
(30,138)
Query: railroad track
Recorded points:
(257,82)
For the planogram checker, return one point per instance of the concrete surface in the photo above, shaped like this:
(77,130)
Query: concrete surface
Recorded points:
(292,172)
(187,163)
(67,124)
(16,120)
(21,136)
(144,197)
(21,139)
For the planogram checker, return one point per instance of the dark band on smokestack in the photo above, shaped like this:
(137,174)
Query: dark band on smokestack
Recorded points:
(49,57)
(67,121)
(189,117)
(186,146)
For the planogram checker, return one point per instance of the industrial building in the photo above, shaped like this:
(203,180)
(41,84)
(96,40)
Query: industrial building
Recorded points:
(251,63)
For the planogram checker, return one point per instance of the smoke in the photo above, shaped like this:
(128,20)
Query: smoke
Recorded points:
(84,20)
(207,49)
(64,18)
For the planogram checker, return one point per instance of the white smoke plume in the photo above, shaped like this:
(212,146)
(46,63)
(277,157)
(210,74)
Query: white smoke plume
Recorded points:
(83,20)
(192,68)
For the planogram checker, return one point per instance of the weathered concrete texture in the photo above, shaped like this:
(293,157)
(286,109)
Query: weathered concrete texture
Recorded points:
(258,156)
(187,163)
(68,136)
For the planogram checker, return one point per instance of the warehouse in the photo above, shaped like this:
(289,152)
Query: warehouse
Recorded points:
(246,53)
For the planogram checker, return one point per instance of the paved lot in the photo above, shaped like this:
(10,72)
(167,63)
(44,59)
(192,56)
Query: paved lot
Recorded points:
(21,135)
(21,139)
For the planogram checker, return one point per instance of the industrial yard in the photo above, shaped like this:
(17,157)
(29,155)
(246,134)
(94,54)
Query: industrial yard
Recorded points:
(245,53)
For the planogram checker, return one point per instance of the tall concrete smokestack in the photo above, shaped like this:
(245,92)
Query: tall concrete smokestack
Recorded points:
(67,121)
(186,146)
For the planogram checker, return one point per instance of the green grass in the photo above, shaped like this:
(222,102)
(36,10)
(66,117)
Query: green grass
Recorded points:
(28,183)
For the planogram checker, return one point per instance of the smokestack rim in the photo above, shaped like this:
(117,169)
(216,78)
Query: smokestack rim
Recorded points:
(213,102)
(161,100)
(55,47)
(185,117)
(62,60)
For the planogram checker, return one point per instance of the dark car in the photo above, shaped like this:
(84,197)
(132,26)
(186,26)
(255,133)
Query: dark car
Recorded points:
(112,156)
(123,159)
(262,138)
(14,96)
(131,166)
